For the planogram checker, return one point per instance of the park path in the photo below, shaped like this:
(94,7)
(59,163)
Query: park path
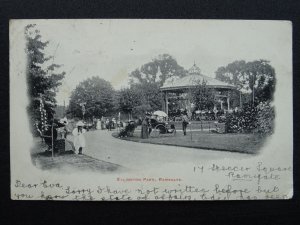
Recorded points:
(133,155)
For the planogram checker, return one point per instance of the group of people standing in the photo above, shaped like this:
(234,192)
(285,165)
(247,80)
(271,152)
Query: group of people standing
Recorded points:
(110,124)
(107,123)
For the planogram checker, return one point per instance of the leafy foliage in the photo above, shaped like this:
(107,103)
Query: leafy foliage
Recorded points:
(256,78)
(98,96)
(261,76)
(157,71)
(232,73)
(257,81)
(42,78)
(243,121)
(127,99)
(145,84)
(248,118)
(203,97)
(233,123)
(259,119)
(150,94)
(139,98)
(265,118)
(139,111)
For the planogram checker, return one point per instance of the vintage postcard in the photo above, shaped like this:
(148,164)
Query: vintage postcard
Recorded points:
(138,109)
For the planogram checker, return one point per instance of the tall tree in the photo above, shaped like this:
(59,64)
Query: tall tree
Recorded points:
(256,78)
(42,77)
(127,100)
(138,99)
(232,73)
(260,77)
(148,79)
(150,94)
(157,71)
(92,97)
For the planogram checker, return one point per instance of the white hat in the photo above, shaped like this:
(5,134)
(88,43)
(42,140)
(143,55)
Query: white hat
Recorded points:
(64,121)
(80,124)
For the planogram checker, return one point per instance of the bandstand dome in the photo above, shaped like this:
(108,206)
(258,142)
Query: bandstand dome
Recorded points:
(194,78)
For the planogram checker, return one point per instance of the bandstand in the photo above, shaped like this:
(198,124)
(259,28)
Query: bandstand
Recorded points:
(179,90)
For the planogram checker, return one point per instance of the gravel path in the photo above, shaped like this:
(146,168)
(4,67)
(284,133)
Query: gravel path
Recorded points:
(103,146)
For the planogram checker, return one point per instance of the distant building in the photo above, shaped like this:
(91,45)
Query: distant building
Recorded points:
(180,89)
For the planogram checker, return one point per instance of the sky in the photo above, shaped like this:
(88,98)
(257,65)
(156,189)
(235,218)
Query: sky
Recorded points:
(111,49)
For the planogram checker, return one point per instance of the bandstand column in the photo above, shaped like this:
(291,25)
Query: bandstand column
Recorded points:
(228,103)
(166,102)
(228,99)
(189,104)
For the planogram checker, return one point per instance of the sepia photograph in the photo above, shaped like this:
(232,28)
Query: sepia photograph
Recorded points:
(135,109)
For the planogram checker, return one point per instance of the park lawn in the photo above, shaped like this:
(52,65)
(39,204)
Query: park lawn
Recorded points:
(243,143)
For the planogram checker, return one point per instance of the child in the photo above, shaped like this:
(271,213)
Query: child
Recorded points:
(79,139)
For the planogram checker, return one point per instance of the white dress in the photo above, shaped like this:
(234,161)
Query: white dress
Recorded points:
(98,125)
(79,139)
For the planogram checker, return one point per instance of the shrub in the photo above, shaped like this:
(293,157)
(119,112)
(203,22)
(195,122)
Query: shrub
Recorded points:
(265,118)
(258,119)
(242,121)
(248,118)
(232,123)
(222,119)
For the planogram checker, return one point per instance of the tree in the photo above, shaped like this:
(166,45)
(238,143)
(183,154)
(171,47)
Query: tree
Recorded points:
(138,99)
(260,76)
(231,73)
(203,97)
(147,80)
(127,100)
(43,80)
(93,97)
(256,78)
(157,71)
(149,94)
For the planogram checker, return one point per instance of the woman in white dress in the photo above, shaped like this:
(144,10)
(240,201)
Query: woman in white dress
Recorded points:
(79,139)
(98,124)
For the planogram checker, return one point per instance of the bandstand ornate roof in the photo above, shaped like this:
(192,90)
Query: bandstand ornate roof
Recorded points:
(193,78)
